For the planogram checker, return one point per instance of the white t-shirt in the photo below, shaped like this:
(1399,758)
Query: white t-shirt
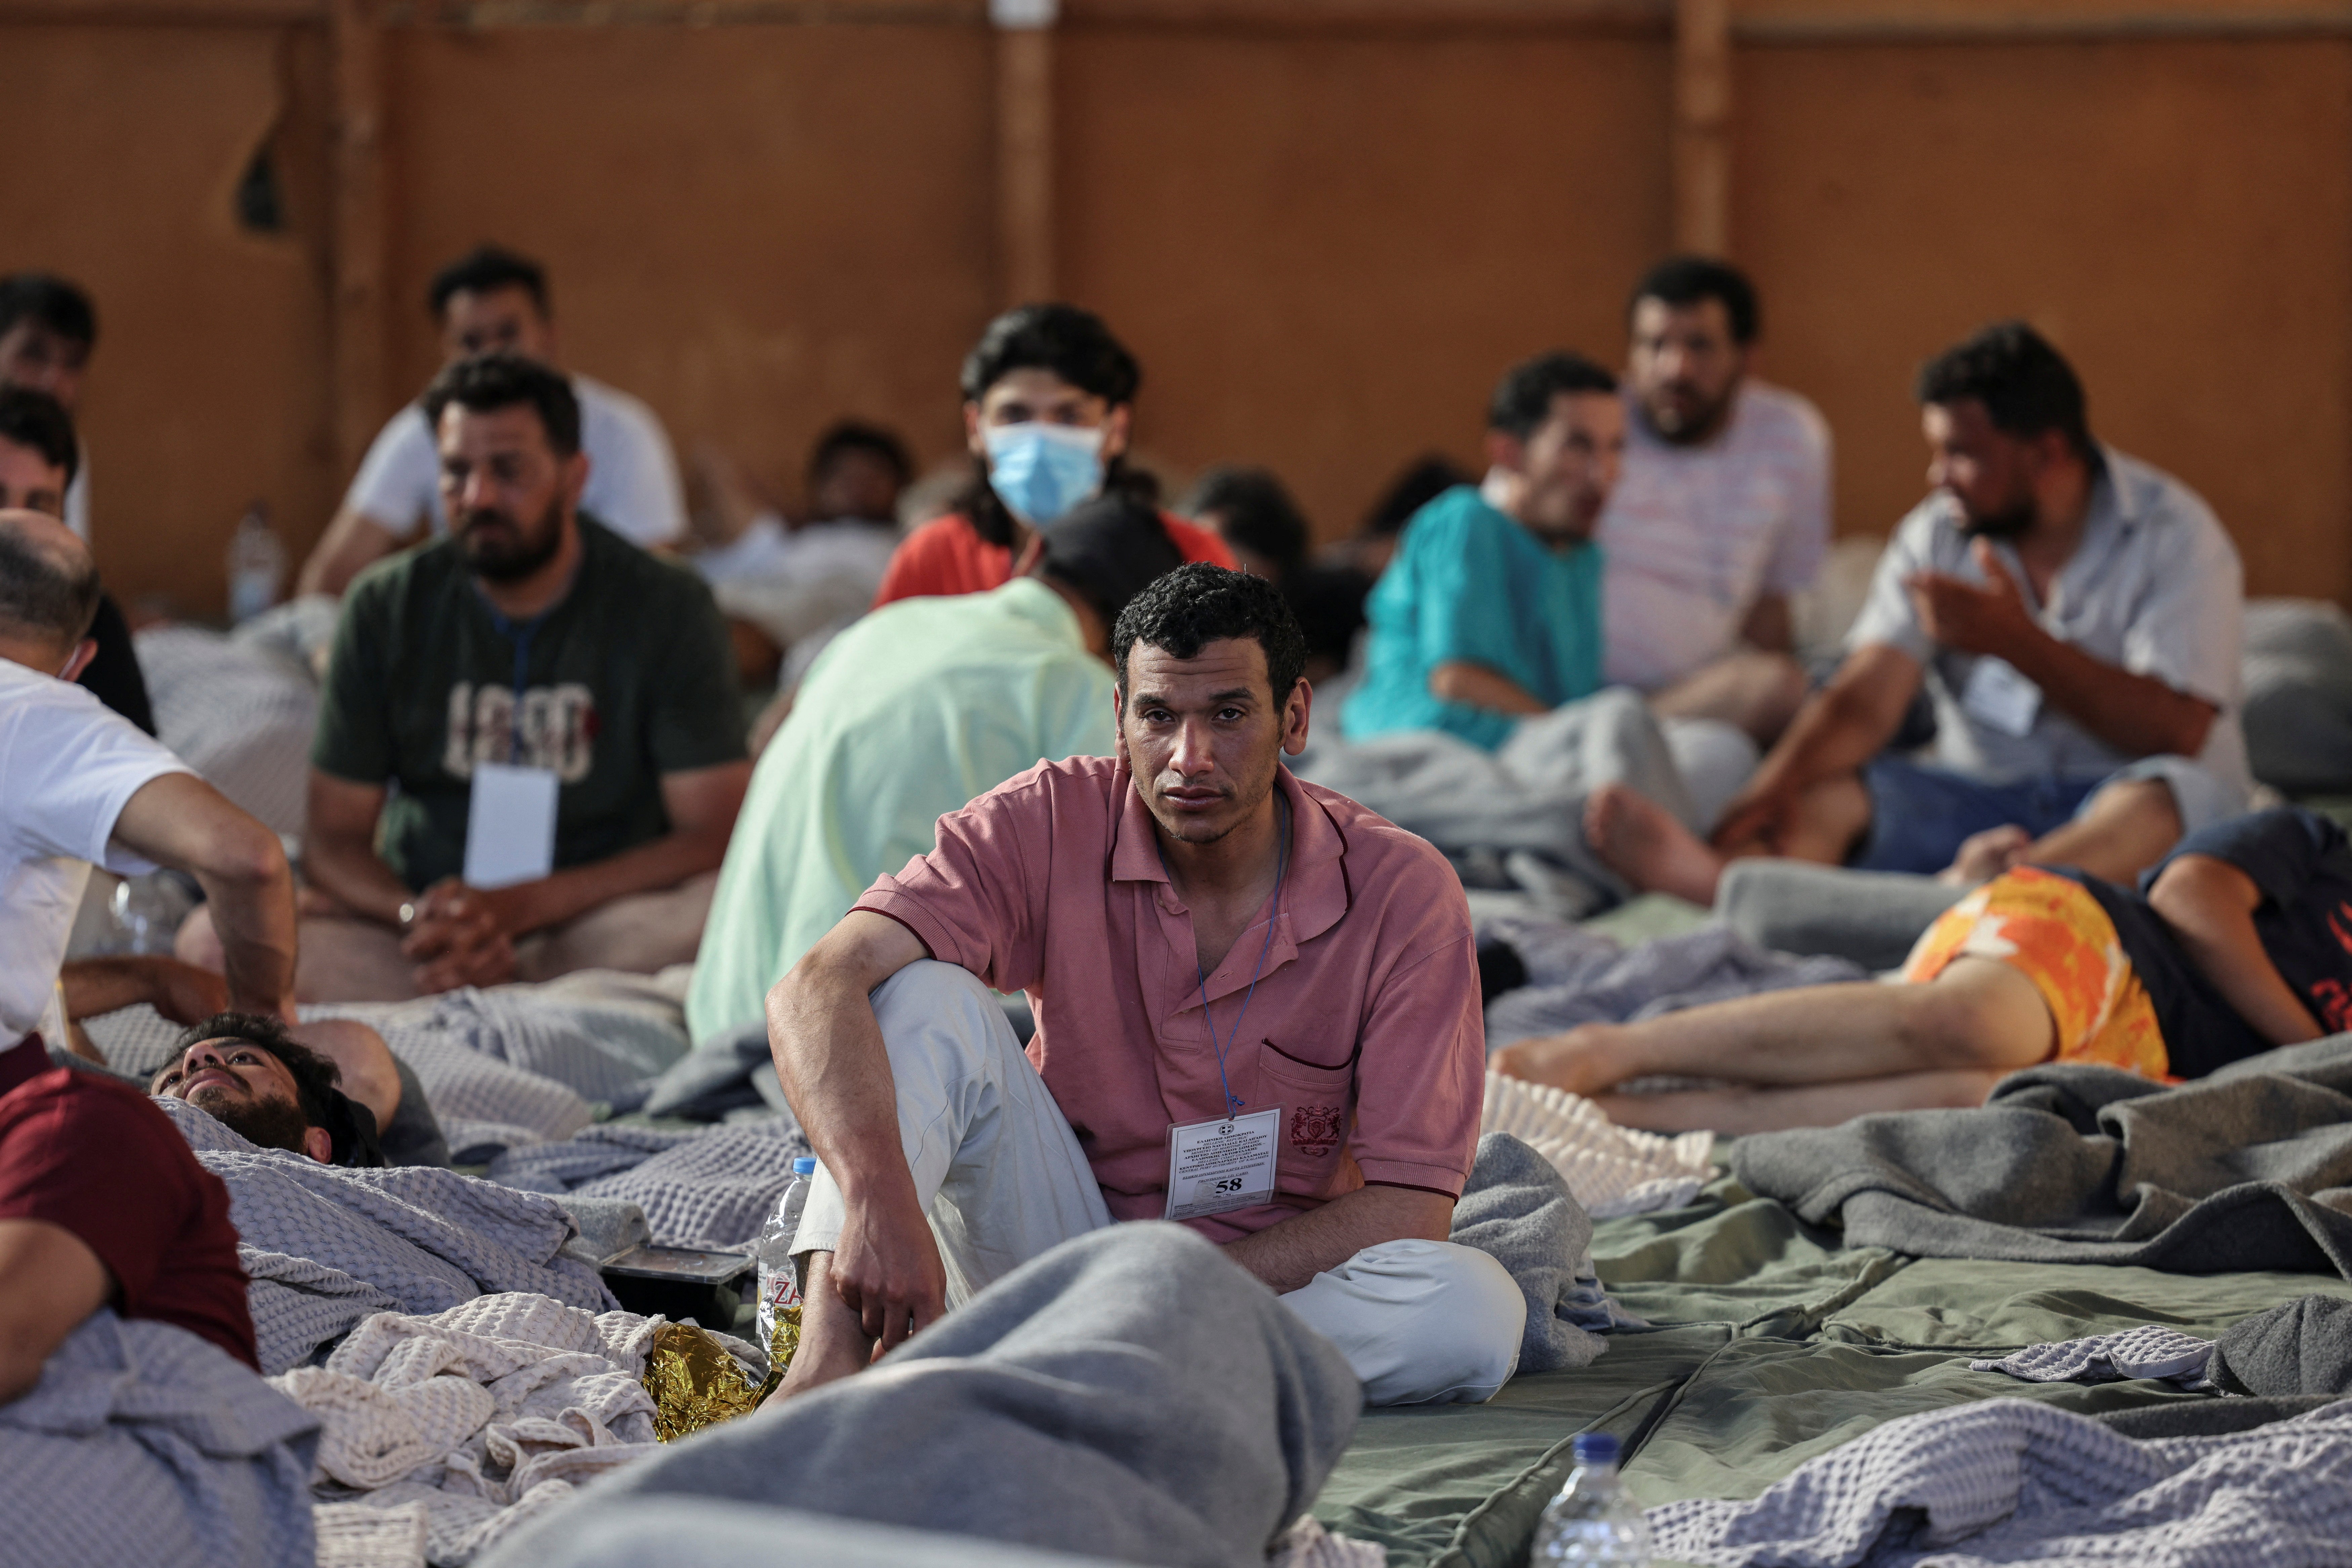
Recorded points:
(1694,535)
(633,485)
(68,767)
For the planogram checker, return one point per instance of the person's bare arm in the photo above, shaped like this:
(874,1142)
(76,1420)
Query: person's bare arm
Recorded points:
(2134,713)
(364,1063)
(2209,904)
(182,822)
(701,802)
(1289,1253)
(181,991)
(1769,624)
(836,1073)
(1459,680)
(339,849)
(49,1281)
(352,543)
(1841,727)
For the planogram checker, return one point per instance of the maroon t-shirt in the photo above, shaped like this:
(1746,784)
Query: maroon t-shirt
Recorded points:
(92,1156)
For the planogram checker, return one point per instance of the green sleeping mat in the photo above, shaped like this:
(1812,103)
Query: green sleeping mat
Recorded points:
(1770,1344)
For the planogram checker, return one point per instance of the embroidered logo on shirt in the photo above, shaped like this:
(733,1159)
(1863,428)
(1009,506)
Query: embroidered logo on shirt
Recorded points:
(1315,1129)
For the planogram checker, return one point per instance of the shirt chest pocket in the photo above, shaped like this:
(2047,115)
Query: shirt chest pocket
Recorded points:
(1318,1107)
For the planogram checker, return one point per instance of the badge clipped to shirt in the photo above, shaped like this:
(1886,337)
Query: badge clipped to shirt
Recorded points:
(1995,694)
(1213,1166)
(510,825)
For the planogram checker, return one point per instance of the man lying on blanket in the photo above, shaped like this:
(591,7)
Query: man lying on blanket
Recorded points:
(1257,1013)
(2238,941)
(249,1073)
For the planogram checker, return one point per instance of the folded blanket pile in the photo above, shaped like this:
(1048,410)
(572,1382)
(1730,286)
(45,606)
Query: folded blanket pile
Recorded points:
(1612,1170)
(487,1415)
(2073,1163)
(328,1246)
(2014,1480)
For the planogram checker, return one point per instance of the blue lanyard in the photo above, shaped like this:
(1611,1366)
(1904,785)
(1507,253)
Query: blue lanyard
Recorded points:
(1281,859)
(521,633)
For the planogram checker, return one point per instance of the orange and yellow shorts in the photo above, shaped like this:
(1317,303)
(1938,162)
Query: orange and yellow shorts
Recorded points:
(2051,931)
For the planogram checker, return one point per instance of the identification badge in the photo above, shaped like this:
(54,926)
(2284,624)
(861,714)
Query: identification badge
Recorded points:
(1998,696)
(1213,1166)
(509,826)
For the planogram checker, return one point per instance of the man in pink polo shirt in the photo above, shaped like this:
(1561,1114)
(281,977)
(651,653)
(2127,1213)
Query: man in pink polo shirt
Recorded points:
(1258,1014)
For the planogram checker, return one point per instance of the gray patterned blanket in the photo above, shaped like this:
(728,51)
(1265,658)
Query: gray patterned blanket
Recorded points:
(326,1246)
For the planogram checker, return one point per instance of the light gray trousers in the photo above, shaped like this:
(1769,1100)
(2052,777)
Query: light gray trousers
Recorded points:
(1002,1174)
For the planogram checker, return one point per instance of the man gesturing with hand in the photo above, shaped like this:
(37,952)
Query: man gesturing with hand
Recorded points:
(1257,1015)
(2074,615)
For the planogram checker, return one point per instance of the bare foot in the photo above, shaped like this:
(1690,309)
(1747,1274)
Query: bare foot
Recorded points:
(1642,842)
(1578,1061)
(834,1341)
(1984,856)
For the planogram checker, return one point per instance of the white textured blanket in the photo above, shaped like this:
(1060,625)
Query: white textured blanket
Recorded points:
(484,1416)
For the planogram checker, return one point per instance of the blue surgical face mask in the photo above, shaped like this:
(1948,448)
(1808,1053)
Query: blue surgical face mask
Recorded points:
(1040,470)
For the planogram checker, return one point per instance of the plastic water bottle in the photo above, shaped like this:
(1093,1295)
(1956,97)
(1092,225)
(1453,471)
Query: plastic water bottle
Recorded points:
(256,564)
(779,1309)
(1591,1521)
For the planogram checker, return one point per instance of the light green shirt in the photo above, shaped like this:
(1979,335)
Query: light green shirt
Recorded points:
(908,714)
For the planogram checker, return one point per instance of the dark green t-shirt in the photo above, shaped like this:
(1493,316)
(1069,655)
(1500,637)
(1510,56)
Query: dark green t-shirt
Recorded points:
(629,678)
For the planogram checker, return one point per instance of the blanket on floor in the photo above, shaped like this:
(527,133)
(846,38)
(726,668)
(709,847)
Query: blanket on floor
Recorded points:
(146,1444)
(1577,976)
(327,1247)
(488,1414)
(2068,1163)
(705,1186)
(2298,1347)
(2012,1480)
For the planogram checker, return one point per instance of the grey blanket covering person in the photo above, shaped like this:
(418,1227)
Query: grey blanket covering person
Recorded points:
(2015,1480)
(326,1247)
(2073,1163)
(1517,1210)
(144,1443)
(1577,976)
(1130,1394)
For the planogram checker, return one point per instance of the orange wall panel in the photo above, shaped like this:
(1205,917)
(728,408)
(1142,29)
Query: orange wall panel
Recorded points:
(2176,215)
(208,388)
(757,229)
(1326,250)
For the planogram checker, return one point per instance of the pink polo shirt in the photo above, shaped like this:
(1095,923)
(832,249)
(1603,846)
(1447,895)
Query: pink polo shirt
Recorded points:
(1365,1029)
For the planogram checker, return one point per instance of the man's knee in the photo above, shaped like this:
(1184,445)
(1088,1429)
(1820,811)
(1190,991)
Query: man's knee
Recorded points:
(1421,1321)
(1962,1028)
(927,995)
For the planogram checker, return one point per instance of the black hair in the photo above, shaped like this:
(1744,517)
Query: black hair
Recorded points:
(35,419)
(483,270)
(853,435)
(1075,345)
(1423,482)
(2026,385)
(1256,513)
(1523,398)
(317,1080)
(1198,604)
(1685,280)
(500,380)
(44,595)
(50,301)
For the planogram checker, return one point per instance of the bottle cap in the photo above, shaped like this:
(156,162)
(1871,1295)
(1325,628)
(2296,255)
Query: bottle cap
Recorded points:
(1596,1448)
(806,1166)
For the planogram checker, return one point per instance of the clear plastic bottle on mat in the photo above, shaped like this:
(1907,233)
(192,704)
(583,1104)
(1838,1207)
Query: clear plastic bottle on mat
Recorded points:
(779,1310)
(1591,1521)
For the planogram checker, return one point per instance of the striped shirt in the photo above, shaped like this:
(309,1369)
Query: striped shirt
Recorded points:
(1694,535)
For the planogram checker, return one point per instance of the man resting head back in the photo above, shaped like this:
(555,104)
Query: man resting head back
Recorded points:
(248,1073)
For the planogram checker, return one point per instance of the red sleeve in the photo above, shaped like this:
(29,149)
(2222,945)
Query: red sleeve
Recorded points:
(1194,543)
(943,556)
(92,1157)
